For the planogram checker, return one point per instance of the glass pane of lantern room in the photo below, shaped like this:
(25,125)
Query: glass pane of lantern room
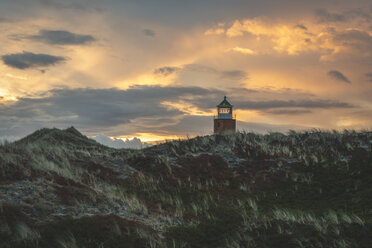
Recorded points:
(224,110)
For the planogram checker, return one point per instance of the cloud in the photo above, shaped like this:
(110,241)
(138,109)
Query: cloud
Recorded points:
(353,35)
(166,70)
(369,77)
(329,41)
(98,108)
(58,5)
(307,104)
(62,37)
(224,74)
(71,5)
(355,41)
(235,74)
(197,68)
(300,26)
(149,32)
(324,16)
(134,143)
(6,139)
(282,37)
(139,109)
(289,111)
(189,125)
(338,76)
(27,60)
(216,31)
(243,50)
(281,105)
(200,68)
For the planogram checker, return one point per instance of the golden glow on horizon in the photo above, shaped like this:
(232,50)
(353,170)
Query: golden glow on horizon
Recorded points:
(150,137)
(344,123)
(187,108)
(347,122)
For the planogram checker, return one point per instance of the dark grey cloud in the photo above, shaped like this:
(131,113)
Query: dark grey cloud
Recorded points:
(166,70)
(97,108)
(61,5)
(324,15)
(27,60)
(300,26)
(71,5)
(338,76)
(243,98)
(149,32)
(289,111)
(197,68)
(353,35)
(200,68)
(244,91)
(62,37)
(358,40)
(306,104)
(187,125)
(362,13)
(235,74)
(369,77)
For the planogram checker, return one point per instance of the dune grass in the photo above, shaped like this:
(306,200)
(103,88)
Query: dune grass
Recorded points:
(307,189)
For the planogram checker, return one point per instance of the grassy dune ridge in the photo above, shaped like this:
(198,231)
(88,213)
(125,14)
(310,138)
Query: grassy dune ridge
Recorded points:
(309,189)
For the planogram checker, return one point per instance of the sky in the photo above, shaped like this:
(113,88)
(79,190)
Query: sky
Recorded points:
(156,70)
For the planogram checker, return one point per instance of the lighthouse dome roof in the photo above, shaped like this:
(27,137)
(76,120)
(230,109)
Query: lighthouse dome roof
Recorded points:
(225,103)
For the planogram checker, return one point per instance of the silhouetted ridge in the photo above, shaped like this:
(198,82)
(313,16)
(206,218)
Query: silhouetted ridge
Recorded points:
(70,136)
(74,131)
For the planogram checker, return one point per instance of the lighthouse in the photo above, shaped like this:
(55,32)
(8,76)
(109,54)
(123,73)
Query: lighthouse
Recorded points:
(224,122)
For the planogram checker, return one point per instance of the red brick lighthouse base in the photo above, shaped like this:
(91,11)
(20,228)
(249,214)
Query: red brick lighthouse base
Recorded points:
(224,121)
(224,125)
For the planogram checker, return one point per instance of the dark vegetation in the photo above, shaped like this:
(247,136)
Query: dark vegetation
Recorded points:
(309,189)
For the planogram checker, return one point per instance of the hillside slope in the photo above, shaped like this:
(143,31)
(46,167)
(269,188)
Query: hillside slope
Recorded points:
(312,189)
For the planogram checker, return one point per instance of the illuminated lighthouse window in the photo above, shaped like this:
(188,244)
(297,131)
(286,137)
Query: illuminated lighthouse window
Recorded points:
(224,110)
